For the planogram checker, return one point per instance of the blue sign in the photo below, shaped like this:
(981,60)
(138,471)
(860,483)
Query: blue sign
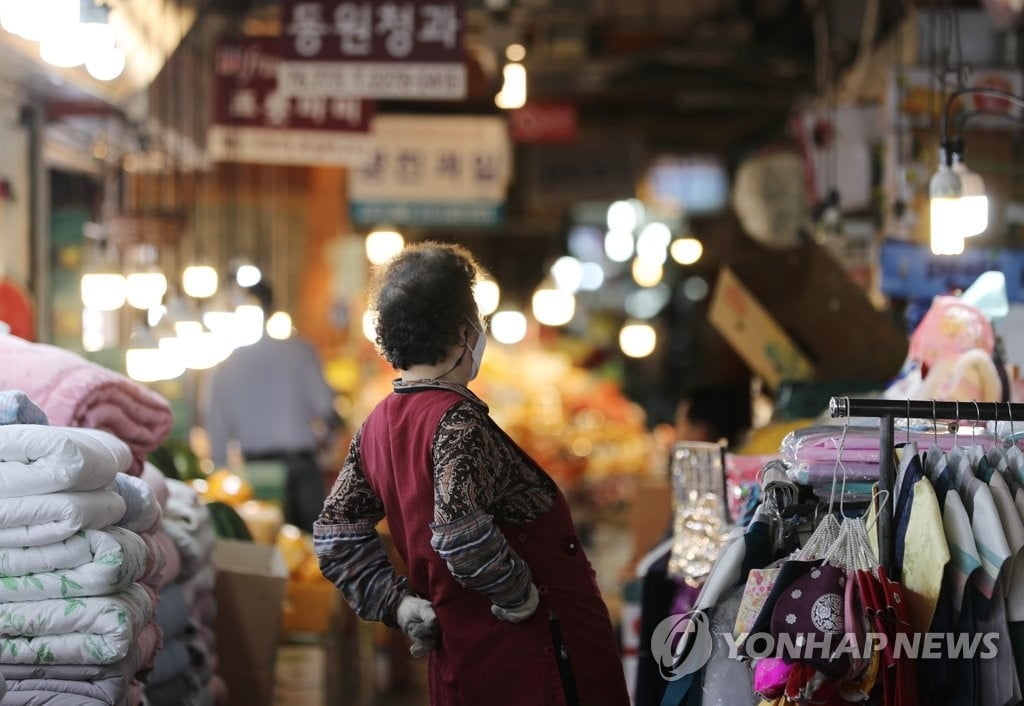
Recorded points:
(423,213)
(910,270)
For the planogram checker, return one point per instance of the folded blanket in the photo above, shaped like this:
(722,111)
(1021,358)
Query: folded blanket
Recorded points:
(173,613)
(204,609)
(180,691)
(152,475)
(35,460)
(185,506)
(77,393)
(142,511)
(18,695)
(17,408)
(823,472)
(97,630)
(44,519)
(164,560)
(199,585)
(117,558)
(112,677)
(219,690)
(171,663)
(194,548)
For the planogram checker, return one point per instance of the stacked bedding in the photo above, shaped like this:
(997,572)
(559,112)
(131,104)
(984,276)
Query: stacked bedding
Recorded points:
(185,669)
(76,618)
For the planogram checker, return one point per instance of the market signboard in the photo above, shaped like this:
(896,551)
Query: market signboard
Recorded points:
(254,121)
(911,270)
(755,336)
(433,171)
(409,50)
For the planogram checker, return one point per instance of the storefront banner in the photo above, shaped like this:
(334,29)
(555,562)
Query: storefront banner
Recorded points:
(547,122)
(755,336)
(433,170)
(373,49)
(256,122)
(910,270)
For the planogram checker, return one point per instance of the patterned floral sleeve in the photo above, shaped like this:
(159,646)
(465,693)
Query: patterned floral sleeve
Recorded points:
(481,478)
(350,552)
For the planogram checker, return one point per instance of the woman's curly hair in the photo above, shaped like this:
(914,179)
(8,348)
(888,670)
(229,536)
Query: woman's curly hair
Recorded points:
(419,299)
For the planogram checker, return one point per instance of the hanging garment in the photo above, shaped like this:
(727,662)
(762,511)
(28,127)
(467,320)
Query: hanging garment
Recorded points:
(998,683)
(921,552)
(481,660)
(727,681)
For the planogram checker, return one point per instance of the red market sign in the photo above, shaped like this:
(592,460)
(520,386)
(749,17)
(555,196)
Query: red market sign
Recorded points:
(537,123)
(257,122)
(373,49)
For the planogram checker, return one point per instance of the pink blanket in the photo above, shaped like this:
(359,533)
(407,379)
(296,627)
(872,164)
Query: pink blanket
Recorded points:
(77,393)
(152,475)
(165,561)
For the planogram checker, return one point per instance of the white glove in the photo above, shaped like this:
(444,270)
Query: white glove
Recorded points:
(417,619)
(520,613)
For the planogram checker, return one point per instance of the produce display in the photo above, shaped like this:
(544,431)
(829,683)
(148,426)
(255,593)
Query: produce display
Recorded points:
(578,427)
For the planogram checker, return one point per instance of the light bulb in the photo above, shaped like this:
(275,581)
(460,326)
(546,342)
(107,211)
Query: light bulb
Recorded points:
(382,245)
(508,327)
(638,340)
(593,277)
(248,325)
(686,251)
(973,200)
(553,307)
(370,326)
(487,295)
(515,52)
(104,291)
(567,273)
(947,228)
(279,325)
(34,19)
(647,274)
(146,290)
(199,281)
(513,87)
(144,364)
(618,245)
(622,216)
(155,315)
(248,275)
(93,330)
(652,243)
(106,65)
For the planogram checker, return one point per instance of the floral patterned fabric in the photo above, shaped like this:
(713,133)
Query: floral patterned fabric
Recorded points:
(97,630)
(116,558)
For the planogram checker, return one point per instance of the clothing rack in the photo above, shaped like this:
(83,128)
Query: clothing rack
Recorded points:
(888,411)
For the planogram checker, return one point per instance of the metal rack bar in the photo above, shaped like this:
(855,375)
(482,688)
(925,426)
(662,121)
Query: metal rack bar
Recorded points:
(887,411)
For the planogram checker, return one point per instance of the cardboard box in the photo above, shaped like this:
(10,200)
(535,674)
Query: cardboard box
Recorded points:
(250,590)
(309,606)
(301,675)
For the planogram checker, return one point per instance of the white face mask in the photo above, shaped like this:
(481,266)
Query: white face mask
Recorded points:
(477,353)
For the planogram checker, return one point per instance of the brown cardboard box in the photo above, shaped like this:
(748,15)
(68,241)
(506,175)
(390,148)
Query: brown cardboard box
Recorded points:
(309,606)
(250,590)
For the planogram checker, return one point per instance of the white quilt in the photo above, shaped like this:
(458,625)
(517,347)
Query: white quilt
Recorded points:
(44,519)
(116,557)
(36,459)
(74,630)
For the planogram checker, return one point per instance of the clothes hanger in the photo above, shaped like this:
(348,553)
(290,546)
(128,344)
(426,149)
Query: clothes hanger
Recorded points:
(650,558)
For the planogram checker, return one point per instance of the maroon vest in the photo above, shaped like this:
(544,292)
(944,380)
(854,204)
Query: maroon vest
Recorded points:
(482,661)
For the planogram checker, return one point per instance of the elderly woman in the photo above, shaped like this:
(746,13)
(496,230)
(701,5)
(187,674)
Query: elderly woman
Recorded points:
(499,592)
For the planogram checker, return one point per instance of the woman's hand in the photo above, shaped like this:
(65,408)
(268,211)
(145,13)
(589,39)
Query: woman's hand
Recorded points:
(521,612)
(417,619)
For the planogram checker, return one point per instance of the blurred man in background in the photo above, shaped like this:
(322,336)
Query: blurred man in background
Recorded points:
(271,399)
